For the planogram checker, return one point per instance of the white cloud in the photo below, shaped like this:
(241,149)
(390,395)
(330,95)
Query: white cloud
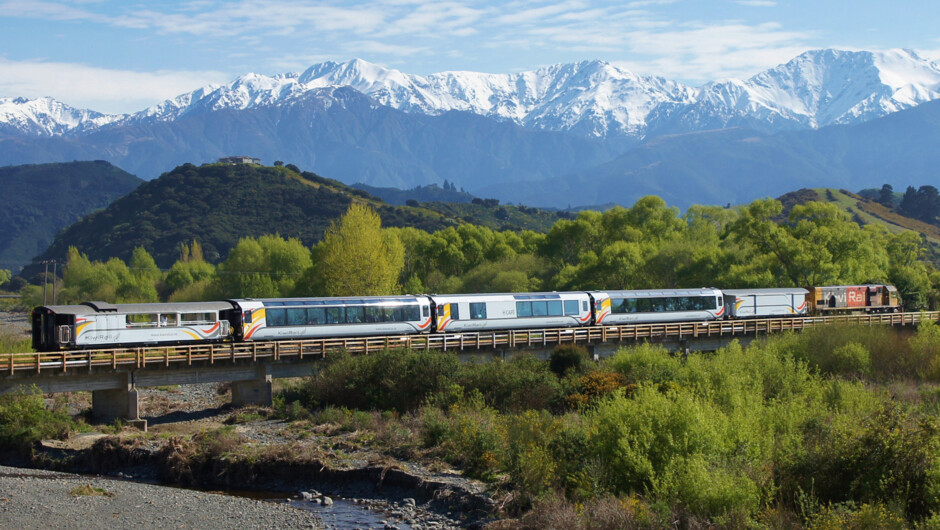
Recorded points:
(100,89)
(757,3)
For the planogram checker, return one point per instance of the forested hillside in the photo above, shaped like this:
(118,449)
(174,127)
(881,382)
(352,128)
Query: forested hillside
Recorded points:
(218,204)
(39,200)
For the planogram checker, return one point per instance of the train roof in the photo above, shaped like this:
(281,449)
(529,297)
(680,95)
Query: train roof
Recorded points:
(334,300)
(88,308)
(772,290)
(547,295)
(655,293)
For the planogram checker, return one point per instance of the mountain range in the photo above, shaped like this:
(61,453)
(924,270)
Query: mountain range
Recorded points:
(593,126)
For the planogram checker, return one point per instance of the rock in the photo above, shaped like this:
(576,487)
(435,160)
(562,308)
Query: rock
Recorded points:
(409,501)
(307,496)
(327,501)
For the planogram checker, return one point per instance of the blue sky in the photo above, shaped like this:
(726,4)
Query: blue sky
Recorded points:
(122,56)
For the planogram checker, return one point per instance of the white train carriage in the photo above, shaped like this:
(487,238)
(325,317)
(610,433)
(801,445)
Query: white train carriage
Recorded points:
(478,312)
(664,305)
(307,318)
(100,324)
(755,303)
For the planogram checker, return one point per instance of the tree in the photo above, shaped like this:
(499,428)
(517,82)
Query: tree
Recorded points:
(357,257)
(5,276)
(886,196)
(269,266)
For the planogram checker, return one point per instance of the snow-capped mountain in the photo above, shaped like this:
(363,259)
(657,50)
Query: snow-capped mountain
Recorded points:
(592,98)
(48,117)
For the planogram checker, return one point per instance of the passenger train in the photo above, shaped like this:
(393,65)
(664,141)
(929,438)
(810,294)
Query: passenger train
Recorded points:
(104,325)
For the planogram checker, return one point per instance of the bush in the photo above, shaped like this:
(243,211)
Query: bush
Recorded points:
(522,383)
(646,363)
(594,386)
(25,421)
(398,380)
(568,359)
(890,456)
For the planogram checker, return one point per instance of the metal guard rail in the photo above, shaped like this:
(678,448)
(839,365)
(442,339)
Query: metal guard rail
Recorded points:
(154,356)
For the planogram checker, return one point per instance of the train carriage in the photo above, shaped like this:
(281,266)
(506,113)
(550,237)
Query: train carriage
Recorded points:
(478,312)
(307,318)
(662,305)
(756,303)
(100,324)
(849,298)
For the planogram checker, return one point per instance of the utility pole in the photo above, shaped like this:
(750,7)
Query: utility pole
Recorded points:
(54,279)
(45,279)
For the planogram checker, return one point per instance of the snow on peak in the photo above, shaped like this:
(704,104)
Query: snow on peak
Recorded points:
(46,116)
(593,98)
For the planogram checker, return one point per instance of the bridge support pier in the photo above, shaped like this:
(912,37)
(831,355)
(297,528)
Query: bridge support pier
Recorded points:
(254,392)
(108,405)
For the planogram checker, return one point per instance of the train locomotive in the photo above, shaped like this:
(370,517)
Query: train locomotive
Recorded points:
(103,325)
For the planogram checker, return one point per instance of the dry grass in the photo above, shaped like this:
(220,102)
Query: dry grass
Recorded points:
(90,491)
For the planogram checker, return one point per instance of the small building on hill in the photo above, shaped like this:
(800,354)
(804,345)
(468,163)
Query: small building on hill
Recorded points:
(240,160)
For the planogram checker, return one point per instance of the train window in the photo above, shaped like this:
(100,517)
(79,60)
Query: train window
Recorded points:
(411,313)
(555,308)
(477,310)
(373,314)
(316,315)
(335,315)
(276,317)
(617,305)
(296,316)
(354,314)
(197,318)
(571,307)
(539,309)
(391,314)
(169,319)
(142,320)
(584,305)
(455,311)
(424,311)
(644,305)
(247,317)
(523,309)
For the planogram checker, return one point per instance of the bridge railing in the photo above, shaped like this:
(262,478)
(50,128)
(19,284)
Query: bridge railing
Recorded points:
(209,354)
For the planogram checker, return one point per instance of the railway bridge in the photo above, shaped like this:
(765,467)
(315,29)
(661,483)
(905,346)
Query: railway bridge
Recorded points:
(113,375)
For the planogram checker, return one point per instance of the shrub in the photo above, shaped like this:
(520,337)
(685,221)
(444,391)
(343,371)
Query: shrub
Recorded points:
(568,359)
(646,363)
(473,438)
(848,516)
(594,386)
(890,456)
(522,383)
(398,380)
(25,421)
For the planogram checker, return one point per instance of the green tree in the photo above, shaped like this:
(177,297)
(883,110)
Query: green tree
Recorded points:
(268,266)
(356,257)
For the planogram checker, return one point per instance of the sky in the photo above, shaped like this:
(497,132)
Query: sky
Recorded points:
(123,56)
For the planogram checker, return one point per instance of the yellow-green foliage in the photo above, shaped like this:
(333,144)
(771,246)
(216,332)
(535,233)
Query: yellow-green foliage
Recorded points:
(24,421)
(356,257)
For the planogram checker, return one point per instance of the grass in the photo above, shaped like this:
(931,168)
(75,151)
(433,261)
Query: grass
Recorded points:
(87,490)
(14,343)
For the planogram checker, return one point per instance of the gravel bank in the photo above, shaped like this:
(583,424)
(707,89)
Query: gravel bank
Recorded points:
(31,498)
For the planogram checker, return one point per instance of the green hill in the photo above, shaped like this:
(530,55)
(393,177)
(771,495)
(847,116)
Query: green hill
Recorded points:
(865,211)
(38,200)
(218,204)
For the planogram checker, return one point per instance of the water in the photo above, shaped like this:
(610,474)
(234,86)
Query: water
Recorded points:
(346,514)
